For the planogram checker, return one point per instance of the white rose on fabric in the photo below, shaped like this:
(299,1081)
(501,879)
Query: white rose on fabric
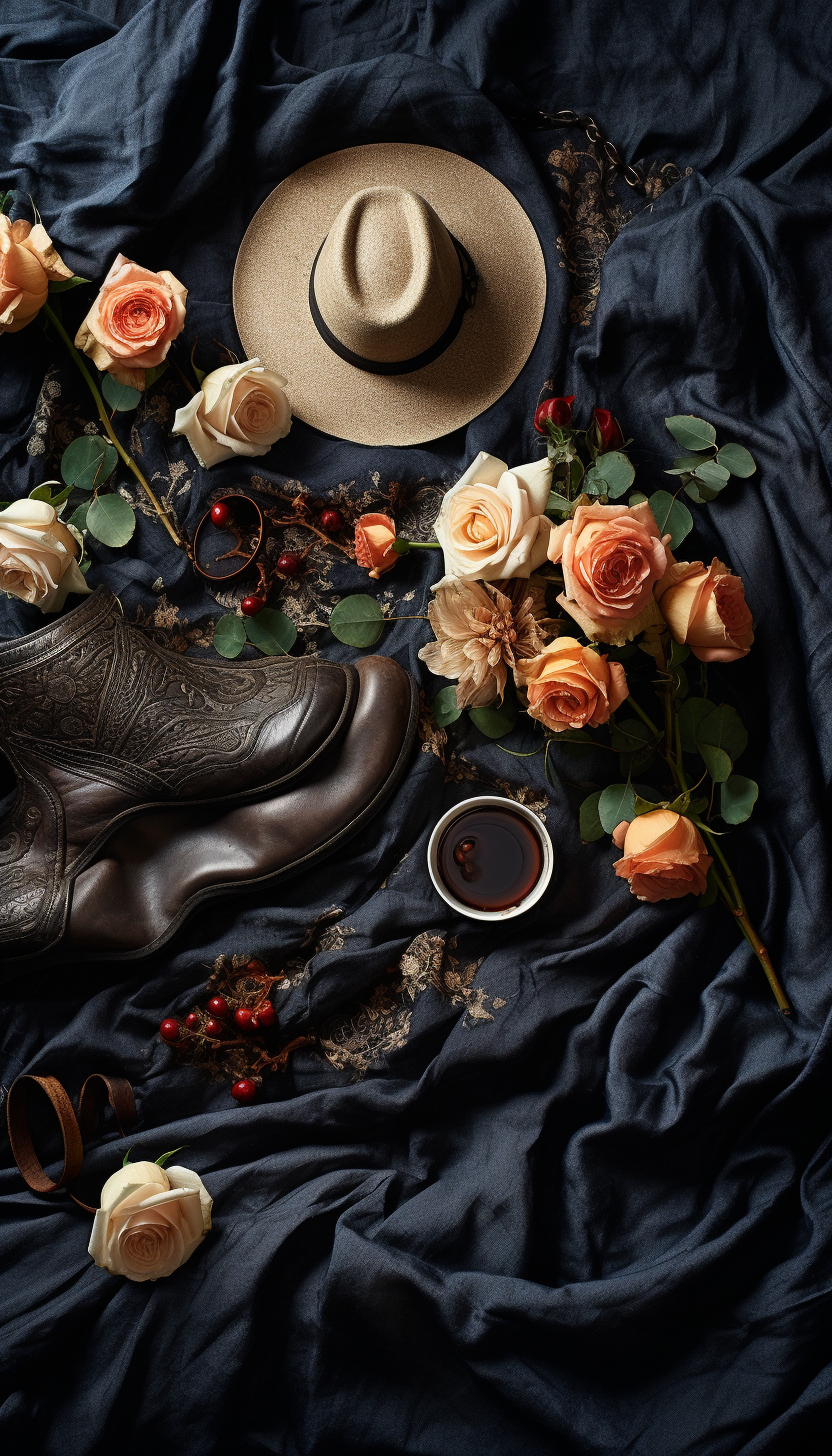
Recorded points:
(491,525)
(150,1221)
(39,555)
(241,409)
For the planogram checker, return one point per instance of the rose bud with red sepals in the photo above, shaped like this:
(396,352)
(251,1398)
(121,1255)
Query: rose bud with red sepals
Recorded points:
(289,563)
(213,1027)
(332,520)
(245,1019)
(558,410)
(250,606)
(218,1006)
(169,1029)
(265,1014)
(609,429)
(244,1091)
(220,513)
(256,967)
(192,1020)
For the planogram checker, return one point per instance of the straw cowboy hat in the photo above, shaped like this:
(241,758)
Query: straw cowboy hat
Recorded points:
(399,289)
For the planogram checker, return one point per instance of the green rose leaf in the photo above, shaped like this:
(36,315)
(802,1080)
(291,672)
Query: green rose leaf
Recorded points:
(78,519)
(494,722)
(616,471)
(717,762)
(230,636)
(714,476)
(88,461)
(60,285)
(691,714)
(444,708)
(44,493)
(272,631)
(710,893)
(737,798)
(577,472)
(691,432)
(357,620)
(164,1156)
(723,729)
(590,824)
(671,515)
(119,396)
(151,375)
(616,803)
(737,459)
(557,504)
(111,520)
(686,464)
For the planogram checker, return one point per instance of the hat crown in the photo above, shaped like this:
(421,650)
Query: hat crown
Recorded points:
(388,279)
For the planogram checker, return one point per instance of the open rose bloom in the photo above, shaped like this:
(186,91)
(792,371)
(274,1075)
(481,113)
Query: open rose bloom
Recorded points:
(241,410)
(705,607)
(612,557)
(570,686)
(38,556)
(150,1221)
(28,263)
(491,524)
(664,856)
(133,322)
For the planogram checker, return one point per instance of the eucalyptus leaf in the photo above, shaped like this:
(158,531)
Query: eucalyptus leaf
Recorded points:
(119,396)
(691,714)
(577,472)
(630,735)
(444,708)
(686,464)
(357,620)
(737,459)
(272,631)
(710,892)
(594,482)
(79,516)
(590,824)
(692,432)
(616,803)
(723,729)
(699,493)
(111,520)
(229,635)
(88,461)
(494,722)
(714,476)
(616,471)
(60,285)
(557,504)
(636,498)
(151,375)
(678,652)
(671,515)
(737,798)
(716,761)
(575,741)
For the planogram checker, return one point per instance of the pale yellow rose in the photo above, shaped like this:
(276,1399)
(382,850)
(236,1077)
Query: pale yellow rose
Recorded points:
(241,409)
(150,1221)
(491,525)
(133,322)
(28,263)
(39,555)
(705,607)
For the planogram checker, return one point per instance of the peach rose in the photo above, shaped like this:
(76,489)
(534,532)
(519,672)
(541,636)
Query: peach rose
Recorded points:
(612,556)
(706,608)
(491,525)
(28,262)
(374,537)
(241,409)
(133,322)
(39,555)
(150,1221)
(664,856)
(570,686)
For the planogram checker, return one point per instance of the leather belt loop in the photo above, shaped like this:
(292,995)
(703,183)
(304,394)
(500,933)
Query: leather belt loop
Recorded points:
(95,1093)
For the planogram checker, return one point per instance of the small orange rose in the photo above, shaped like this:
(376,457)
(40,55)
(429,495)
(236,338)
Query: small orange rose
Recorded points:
(28,262)
(664,856)
(374,537)
(705,607)
(570,686)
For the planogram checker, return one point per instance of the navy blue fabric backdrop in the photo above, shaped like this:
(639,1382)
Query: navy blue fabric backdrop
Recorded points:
(563,1187)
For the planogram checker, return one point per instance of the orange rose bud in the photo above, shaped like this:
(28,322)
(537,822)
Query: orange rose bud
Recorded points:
(28,263)
(374,537)
(664,856)
(705,608)
(570,686)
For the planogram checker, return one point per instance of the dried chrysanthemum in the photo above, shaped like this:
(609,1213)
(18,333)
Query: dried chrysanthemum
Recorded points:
(482,631)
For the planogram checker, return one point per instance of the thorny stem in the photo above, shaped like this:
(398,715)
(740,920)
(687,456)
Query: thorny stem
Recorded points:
(99,403)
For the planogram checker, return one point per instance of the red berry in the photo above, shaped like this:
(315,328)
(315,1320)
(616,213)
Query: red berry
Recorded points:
(250,606)
(332,520)
(220,513)
(265,1014)
(245,1090)
(245,1019)
(218,1006)
(256,967)
(192,1020)
(289,564)
(214,1028)
(169,1029)
(558,410)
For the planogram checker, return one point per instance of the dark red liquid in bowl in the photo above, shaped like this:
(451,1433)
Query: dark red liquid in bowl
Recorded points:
(490,858)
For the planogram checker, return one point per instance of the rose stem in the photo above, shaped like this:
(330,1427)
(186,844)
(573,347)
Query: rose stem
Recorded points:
(643,716)
(740,914)
(128,459)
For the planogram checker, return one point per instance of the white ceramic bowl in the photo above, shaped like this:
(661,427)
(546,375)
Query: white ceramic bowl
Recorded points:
(491,801)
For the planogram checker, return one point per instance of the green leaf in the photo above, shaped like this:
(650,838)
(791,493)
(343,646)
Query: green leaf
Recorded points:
(164,1157)
(686,464)
(444,708)
(636,498)
(714,476)
(700,494)
(401,546)
(616,803)
(119,396)
(151,375)
(229,636)
(691,714)
(557,504)
(357,620)
(678,652)
(590,824)
(630,735)
(594,482)
(717,762)
(737,798)
(576,470)
(199,374)
(110,520)
(549,771)
(88,461)
(494,722)
(127,1157)
(711,891)
(574,741)
(737,459)
(691,432)
(60,285)
(723,729)
(272,631)
(616,471)
(671,515)
(44,493)
(79,516)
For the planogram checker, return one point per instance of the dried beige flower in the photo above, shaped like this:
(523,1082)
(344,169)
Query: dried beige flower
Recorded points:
(482,631)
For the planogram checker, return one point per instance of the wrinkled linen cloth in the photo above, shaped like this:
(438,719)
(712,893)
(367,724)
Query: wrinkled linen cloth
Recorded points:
(560,1185)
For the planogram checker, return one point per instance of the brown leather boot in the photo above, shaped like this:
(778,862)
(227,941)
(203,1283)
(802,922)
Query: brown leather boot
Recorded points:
(109,734)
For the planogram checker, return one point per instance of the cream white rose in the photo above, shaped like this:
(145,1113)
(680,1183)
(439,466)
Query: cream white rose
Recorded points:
(39,555)
(491,525)
(150,1220)
(241,409)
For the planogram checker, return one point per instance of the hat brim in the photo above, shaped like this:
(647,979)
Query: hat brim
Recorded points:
(271,295)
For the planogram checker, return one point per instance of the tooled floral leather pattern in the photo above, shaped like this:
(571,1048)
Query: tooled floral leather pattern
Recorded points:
(26,874)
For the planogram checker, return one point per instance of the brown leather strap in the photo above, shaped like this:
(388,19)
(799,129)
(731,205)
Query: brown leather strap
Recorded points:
(95,1093)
